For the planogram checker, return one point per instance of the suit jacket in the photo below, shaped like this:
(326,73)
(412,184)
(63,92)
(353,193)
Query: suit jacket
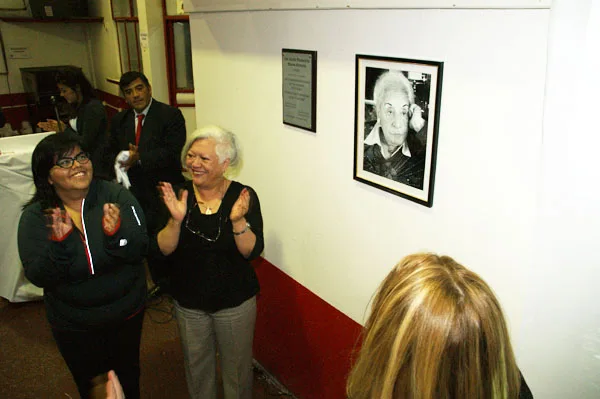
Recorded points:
(163,136)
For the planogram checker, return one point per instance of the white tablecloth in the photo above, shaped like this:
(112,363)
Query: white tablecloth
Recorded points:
(16,188)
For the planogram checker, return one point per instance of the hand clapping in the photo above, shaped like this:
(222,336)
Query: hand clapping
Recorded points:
(51,125)
(241,206)
(112,216)
(176,206)
(59,222)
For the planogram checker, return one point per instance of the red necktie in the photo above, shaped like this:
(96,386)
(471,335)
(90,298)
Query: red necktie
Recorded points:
(138,129)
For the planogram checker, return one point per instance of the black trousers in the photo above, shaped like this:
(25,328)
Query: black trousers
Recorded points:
(93,352)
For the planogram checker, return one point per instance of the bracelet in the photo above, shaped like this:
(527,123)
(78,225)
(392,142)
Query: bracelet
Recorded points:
(239,233)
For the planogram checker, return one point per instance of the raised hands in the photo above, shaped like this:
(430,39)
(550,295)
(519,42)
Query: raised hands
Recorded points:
(51,125)
(114,390)
(241,206)
(134,156)
(59,222)
(112,217)
(176,206)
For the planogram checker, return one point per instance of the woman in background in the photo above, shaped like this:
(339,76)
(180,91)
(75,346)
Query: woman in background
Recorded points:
(83,241)
(87,118)
(436,330)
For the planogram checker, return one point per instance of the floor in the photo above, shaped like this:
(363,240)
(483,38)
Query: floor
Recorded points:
(31,366)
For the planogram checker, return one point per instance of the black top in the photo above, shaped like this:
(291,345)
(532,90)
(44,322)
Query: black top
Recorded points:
(207,271)
(89,278)
(92,127)
(399,167)
(525,392)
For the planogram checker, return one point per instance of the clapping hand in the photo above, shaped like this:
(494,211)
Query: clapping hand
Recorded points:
(59,222)
(176,206)
(241,206)
(114,390)
(51,125)
(134,156)
(112,216)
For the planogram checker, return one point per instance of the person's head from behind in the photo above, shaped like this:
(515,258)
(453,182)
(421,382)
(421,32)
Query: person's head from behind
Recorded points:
(59,166)
(394,97)
(436,331)
(207,154)
(136,90)
(74,86)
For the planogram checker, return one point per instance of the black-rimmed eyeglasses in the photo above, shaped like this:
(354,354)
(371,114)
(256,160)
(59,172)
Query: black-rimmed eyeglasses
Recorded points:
(67,162)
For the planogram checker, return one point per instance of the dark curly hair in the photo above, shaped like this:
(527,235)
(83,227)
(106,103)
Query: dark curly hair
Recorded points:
(73,78)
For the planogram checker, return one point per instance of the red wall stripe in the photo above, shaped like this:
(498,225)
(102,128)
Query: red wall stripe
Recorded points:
(113,101)
(300,339)
(8,100)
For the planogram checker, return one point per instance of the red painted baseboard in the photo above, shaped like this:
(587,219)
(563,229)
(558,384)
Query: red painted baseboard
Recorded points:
(304,342)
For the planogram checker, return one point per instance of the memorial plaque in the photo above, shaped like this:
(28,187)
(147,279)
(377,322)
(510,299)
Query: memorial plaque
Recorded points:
(299,68)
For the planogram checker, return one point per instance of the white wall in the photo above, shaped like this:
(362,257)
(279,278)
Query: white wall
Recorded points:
(561,335)
(497,207)
(48,44)
(104,47)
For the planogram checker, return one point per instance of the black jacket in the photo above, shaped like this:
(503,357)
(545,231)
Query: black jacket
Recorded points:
(163,136)
(89,278)
(92,127)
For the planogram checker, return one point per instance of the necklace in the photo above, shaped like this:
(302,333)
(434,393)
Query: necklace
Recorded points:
(198,232)
(209,210)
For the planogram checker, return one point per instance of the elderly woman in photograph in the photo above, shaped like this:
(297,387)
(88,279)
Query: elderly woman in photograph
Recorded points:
(84,240)
(391,149)
(214,229)
(436,330)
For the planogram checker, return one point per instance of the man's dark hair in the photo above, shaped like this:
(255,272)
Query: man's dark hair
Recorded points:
(130,76)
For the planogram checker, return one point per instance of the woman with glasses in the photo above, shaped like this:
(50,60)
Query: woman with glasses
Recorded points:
(83,241)
(214,230)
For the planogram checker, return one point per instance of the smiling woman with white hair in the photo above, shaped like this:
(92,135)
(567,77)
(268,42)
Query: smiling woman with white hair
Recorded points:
(214,229)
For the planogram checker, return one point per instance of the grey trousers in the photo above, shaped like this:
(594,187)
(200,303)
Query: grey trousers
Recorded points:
(229,330)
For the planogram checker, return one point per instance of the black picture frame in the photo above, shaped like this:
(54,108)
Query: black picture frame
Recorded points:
(299,88)
(395,147)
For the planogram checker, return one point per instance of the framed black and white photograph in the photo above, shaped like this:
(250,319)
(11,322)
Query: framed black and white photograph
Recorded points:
(397,112)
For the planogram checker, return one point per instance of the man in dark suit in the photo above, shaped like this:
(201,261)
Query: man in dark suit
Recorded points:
(153,133)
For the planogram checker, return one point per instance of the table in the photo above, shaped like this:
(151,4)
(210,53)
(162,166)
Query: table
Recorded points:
(16,188)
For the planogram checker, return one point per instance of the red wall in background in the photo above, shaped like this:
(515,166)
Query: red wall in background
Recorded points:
(300,339)
(14,108)
(112,103)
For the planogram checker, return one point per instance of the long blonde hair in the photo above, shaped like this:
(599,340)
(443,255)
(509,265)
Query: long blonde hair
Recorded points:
(436,331)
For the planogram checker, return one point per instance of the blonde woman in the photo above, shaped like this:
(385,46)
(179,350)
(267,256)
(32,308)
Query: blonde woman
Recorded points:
(436,331)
